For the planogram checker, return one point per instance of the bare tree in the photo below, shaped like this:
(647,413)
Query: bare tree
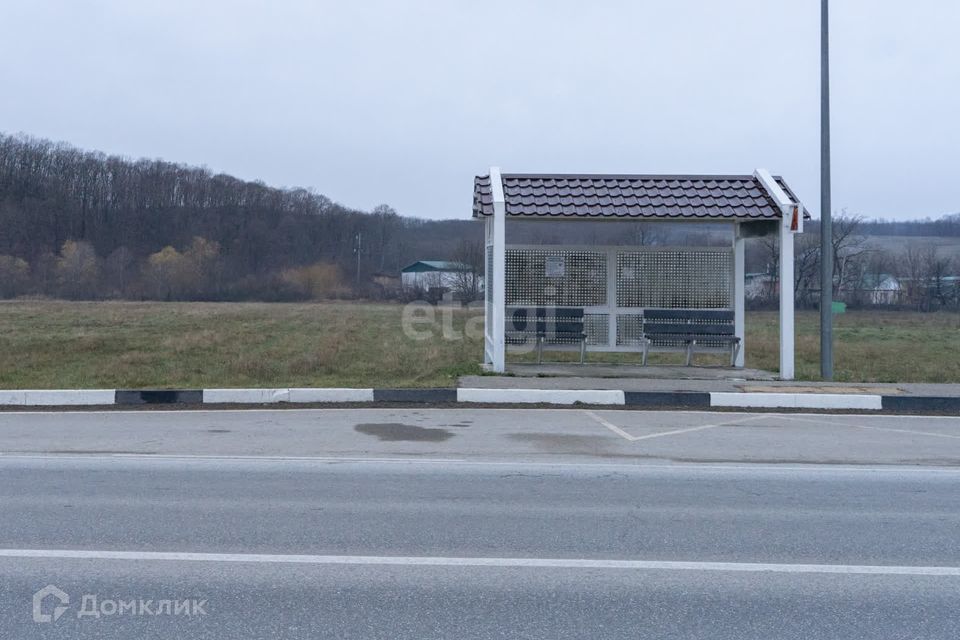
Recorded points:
(806,270)
(914,273)
(771,248)
(938,270)
(14,276)
(467,281)
(387,223)
(849,249)
(78,269)
(119,271)
(879,265)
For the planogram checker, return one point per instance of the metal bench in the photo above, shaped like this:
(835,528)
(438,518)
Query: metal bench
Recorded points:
(712,330)
(550,326)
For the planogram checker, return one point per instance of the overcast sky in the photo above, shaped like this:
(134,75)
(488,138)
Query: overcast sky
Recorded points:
(383,101)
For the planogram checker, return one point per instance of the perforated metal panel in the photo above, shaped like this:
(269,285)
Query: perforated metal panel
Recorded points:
(699,279)
(614,285)
(558,277)
(629,329)
(597,328)
(488,276)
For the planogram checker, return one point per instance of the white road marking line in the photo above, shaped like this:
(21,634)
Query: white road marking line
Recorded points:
(675,432)
(921,433)
(189,456)
(165,456)
(877,416)
(872,428)
(627,436)
(728,423)
(442,561)
(609,425)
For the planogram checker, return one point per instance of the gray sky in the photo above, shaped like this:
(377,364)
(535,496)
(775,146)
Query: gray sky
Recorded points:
(376,101)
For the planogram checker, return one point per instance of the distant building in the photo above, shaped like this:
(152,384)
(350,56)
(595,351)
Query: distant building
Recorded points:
(442,280)
(433,274)
(760,286)
(881,288)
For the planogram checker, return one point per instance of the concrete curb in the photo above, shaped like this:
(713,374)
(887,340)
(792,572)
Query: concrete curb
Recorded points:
(269,396)
(57,397)
(797,401)
(541,396)
(468,396)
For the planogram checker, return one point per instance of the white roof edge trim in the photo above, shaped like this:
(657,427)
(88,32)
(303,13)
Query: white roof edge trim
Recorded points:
(496,185)
(774,190)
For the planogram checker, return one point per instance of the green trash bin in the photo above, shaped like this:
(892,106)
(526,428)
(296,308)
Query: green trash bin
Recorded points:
(839,307)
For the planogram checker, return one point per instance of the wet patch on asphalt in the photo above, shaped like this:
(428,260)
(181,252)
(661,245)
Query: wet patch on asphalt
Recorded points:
(561,442)
(400,432)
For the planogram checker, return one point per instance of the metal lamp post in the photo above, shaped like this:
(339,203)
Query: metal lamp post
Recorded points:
(826,227)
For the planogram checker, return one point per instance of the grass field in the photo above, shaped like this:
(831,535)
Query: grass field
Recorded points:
(124,344)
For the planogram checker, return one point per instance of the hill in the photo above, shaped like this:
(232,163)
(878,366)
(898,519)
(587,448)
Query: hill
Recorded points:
(80,223)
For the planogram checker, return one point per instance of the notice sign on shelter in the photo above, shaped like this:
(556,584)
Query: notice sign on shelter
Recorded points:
(555,267)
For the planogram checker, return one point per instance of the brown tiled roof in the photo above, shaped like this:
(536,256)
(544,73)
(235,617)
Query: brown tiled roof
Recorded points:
(630,196)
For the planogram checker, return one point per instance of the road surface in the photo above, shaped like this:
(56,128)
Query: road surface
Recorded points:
(479,524)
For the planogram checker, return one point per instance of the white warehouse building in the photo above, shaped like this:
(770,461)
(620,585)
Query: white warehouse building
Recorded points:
(434,274)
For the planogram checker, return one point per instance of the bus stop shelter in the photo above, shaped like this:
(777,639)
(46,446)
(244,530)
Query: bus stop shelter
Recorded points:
(615,284)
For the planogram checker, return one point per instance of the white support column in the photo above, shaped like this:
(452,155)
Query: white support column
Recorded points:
(788,209)
(739,282)
(487,300)
(612,296)
(786,301)
(499,271)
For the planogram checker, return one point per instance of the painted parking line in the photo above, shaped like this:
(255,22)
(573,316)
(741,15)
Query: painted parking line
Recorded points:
(609,425)
(632,438)
(870,428)
(728,423)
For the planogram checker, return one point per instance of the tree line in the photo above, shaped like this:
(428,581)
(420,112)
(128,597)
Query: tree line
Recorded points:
(920,274)
(82,224)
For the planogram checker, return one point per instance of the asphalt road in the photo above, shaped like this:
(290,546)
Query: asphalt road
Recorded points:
(520,524)
(557,435)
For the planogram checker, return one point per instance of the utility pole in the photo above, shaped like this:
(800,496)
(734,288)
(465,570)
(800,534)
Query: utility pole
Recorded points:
(356,250)
(826,224)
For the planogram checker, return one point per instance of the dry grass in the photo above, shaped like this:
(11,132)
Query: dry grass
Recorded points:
(122,344)
(869,346)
